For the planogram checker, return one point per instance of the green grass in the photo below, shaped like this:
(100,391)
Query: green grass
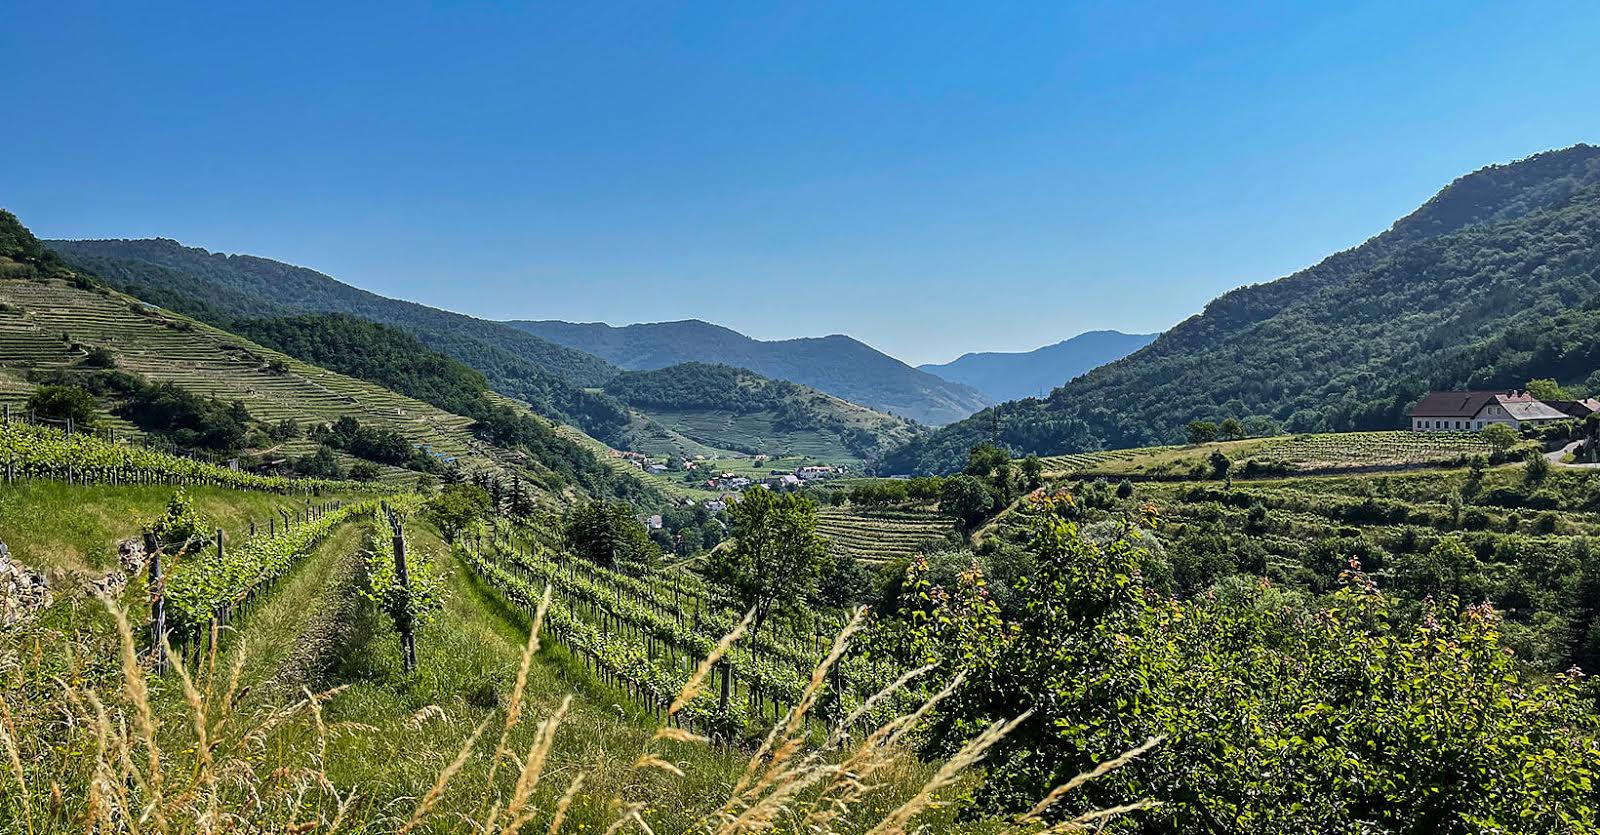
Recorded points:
(316,633)
(755,431)
(50,525)
(385,735)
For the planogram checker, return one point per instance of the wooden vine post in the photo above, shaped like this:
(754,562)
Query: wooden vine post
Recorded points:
(158,604)
(408,634)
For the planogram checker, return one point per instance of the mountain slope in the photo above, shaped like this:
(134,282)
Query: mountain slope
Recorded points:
(1493,281)
(735,409)
(838,365)
(50,316)
(218,288)
(1013,376)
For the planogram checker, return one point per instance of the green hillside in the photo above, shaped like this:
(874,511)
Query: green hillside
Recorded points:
(50,327)
(729,408)
(394,359)
(1494,281)
(220,288)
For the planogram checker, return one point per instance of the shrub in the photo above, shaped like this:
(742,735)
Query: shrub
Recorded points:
(56,402)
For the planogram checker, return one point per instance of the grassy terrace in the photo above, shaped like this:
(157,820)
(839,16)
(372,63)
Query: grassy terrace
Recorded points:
(752,431)
(882,536)
(1325,451)
(162,347)
(75,529)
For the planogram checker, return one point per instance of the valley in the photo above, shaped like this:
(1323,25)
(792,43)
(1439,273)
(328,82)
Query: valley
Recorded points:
(350,564)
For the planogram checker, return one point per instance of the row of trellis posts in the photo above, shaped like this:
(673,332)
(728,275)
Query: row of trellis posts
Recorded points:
(223,615)
(722,677)
(70,427)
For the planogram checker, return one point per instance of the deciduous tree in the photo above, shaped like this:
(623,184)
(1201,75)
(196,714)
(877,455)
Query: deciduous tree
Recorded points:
(776,556)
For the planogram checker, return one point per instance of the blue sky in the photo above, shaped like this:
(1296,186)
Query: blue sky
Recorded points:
(931,178)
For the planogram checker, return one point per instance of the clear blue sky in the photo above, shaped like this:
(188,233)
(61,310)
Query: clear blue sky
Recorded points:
(931,178)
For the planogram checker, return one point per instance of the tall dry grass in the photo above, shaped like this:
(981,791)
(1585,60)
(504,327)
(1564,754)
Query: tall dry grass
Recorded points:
(87,759)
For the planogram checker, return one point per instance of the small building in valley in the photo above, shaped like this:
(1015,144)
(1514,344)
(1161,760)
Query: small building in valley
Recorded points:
(1469,411)
(1578,408)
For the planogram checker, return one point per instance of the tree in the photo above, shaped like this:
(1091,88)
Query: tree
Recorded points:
(1230,429)
(1260,426)
(609,534)
(845,584)
(364,471)
(1032,472)
(776,556)
(100,357)
(1221,464)
(1537,468)
(1449,568)
(924,488)
(991,462)
(1279,712)
(323,463)
(457,508)
(1201,431)
(64,403)
(967,499)
(1500,436)
(1547,389)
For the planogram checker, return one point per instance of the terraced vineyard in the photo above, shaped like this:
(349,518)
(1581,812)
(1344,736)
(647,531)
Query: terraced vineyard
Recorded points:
(881,536)
(1359,449)
(1325,451)
(40,322)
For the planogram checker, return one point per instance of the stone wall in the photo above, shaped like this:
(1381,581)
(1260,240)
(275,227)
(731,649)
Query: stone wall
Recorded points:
(24,592)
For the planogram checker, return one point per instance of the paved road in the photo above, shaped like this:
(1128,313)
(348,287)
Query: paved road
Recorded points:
(1555,457)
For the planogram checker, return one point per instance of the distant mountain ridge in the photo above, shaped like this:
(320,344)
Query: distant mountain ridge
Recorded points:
(838,365)
(1493,281)
(1017,375)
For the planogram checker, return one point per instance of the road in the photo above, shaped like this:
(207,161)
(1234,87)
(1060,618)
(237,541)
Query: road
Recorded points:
(1556,456)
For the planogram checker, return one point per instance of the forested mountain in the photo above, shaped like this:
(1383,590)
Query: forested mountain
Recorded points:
(1493,281)
(219,288)
(736,409)
(1013,376)
(838,365)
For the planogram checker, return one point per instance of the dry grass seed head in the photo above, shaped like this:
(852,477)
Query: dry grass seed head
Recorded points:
(443,781)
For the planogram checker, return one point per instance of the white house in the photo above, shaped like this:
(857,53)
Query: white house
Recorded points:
(1469,411)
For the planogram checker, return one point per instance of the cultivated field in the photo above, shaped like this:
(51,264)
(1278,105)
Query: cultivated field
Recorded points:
(881,536)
